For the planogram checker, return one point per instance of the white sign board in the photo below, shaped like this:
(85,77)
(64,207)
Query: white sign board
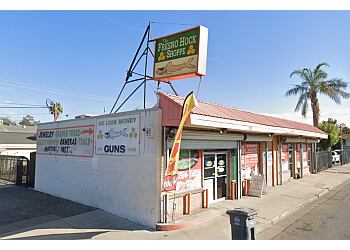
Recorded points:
(70,141)
(257,186)
(118,135)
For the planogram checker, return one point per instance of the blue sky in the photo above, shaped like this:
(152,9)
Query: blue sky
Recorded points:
(80,58)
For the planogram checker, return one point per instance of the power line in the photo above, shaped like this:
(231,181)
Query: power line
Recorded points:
(23,107)
(56,91)
(1,114)
(21,104)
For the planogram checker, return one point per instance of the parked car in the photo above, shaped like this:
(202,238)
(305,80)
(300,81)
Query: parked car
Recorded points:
(335,157)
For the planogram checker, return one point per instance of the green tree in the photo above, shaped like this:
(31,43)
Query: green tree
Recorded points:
(313,83)
(333,134)
(346,130)
(28,121)
(7,121)
(55,109)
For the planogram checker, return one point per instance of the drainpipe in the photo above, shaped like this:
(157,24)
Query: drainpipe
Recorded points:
(165,161)
(239,173)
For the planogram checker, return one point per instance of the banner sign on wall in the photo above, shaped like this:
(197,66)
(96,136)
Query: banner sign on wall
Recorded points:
(181,55)
(189,171)
(285,157)
(250,159)
(72,141)
(118,135)
(305,160)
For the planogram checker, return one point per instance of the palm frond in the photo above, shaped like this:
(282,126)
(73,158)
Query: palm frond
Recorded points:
(305,108)
(334,89)
(297,89)
(301,102)
(320,65)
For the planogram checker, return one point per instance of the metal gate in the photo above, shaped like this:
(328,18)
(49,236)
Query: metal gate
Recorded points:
(17,169)
(324,160)
(345,156)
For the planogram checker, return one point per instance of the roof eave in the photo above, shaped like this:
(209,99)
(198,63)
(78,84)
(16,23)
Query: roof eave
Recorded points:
(208,121)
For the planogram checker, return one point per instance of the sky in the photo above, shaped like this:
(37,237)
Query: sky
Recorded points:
(78,56)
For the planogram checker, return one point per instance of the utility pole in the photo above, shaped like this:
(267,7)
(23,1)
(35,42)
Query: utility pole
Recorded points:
(343,125)
(54,109)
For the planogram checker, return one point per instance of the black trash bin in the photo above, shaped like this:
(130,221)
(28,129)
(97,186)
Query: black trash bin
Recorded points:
(243,222)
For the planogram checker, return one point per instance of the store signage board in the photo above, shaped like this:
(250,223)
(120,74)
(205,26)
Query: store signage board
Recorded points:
(118,135)
(71,141)
(181,55)
(257,186)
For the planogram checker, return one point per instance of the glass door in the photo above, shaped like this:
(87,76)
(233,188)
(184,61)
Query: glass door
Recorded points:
(215,175)
(221,174)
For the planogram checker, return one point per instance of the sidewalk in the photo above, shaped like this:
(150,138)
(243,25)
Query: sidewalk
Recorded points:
(207,224)
(280,200)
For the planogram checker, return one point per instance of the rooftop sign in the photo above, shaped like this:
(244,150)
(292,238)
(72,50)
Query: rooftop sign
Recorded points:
(181,55)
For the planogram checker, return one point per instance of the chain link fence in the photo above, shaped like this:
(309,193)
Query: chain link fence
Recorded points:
(323,160)
(345,156)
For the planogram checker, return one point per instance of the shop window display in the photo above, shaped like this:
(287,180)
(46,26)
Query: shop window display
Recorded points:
(250,160)
(189,176)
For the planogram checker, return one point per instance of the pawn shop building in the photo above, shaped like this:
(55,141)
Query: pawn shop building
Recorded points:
(116,162)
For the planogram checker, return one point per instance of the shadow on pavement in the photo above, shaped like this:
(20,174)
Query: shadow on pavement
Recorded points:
(32,215)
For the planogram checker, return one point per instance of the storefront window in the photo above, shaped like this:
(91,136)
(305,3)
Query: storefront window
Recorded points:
(285,157)
(309,155)
(189,174)
(250,160)
(305,154)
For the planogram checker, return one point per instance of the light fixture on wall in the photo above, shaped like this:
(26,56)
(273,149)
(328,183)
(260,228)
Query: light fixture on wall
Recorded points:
(223,130)
(171,133)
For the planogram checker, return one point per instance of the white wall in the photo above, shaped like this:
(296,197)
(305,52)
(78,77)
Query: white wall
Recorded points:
(127,186)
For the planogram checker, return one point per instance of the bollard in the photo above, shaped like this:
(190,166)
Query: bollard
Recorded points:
(243,221)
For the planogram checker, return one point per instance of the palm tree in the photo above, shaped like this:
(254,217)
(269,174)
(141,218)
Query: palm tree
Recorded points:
(55,108)
(314,82)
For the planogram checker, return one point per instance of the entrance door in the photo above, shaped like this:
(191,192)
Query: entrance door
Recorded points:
(215,175)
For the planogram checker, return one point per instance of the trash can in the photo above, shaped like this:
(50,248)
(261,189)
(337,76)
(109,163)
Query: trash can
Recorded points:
(243,222)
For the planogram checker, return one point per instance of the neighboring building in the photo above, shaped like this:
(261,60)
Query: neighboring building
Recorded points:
(17,140)
(346,141)
(116,162)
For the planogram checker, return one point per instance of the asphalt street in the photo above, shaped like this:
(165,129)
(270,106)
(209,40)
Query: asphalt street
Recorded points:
(327,218)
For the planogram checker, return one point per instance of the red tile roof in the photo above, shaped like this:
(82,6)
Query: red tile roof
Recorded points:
(219,111)
(346,136)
